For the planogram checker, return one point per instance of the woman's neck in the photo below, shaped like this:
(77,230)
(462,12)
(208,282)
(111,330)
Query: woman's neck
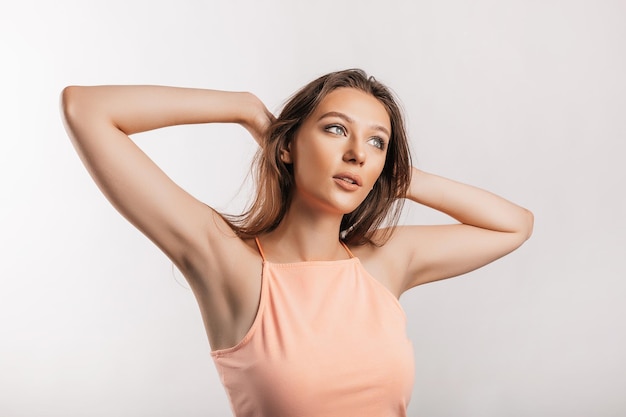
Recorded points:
(304,236)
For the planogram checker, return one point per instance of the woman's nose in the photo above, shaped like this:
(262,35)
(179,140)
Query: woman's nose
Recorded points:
(355,153)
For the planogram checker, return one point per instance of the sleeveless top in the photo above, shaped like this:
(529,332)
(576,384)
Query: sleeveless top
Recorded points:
(328,340)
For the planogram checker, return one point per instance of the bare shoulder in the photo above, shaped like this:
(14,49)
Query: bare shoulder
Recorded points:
(403,254)
(388,262)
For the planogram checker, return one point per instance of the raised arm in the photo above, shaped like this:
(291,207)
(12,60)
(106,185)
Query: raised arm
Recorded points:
(99,120)
(490,227)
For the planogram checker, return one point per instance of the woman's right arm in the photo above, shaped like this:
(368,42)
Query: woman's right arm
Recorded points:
(99,121)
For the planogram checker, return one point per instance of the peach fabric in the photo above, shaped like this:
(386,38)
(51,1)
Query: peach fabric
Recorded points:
(328,341)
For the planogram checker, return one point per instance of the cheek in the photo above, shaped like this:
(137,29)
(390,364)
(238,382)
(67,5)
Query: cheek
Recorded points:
(377,168)
(308,166)
(312,157)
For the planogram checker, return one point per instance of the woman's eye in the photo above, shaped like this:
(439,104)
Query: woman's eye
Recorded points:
(336,129)
(377,142)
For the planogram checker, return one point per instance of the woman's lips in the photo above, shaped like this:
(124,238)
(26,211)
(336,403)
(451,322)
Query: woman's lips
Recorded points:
(348,181)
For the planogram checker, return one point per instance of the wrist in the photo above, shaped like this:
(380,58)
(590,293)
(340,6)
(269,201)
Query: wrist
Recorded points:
(417,176)
(246,108)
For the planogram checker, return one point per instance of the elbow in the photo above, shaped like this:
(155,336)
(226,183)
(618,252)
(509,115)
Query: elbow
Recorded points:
(70,96)
(77,110)
(527,224)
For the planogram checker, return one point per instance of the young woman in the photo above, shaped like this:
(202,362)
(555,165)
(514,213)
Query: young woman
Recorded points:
(299,295)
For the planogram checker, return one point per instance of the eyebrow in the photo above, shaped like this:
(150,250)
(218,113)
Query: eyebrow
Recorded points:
(351,120)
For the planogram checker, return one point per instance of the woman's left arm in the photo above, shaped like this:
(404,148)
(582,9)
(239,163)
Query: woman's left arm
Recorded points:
(490,227)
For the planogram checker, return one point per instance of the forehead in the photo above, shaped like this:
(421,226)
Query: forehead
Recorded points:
(356,104)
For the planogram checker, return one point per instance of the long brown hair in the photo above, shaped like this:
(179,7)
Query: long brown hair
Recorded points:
(275,180)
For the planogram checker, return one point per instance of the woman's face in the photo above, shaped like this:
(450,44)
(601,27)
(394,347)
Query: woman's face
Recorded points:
(339,151)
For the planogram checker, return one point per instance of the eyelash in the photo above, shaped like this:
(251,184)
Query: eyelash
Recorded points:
(381,141)
(330,128)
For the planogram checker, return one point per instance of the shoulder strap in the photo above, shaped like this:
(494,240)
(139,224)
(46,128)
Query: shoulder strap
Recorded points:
(346,248)
(258,245)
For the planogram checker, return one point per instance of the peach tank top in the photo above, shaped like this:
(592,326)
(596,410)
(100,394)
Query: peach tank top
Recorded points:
(328,340)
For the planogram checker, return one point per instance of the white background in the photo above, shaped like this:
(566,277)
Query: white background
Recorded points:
(524,98)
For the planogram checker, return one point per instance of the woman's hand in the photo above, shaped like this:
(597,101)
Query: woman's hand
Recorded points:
(258,118)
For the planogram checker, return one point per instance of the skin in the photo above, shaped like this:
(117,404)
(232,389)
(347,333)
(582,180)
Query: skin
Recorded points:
(342,136)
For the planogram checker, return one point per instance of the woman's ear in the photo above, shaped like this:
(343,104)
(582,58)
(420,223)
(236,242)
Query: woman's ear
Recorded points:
(285,155)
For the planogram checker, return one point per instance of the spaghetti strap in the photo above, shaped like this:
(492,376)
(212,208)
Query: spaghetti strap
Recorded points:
(258,245)
(347,249)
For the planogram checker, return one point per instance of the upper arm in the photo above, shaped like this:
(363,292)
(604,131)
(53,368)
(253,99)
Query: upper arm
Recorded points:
(132,182)
(433,253)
